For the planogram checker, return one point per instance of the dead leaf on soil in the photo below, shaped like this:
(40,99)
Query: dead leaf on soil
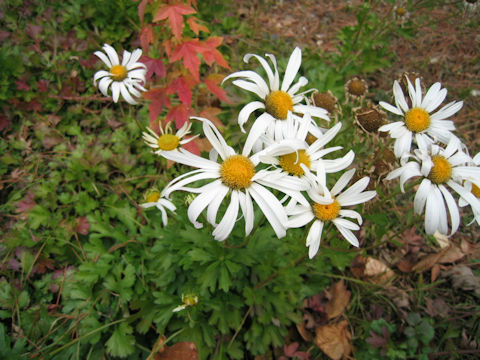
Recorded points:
(304,333)
(437,307)
(340,297)
(464,279)
(185,350)
(334,340)
(446,255)
(372,270)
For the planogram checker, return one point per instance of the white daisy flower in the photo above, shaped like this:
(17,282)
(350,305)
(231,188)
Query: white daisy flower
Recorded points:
(278,101)
(237,177)
(438,168)
(167,141)
(418,120)
(473,189)
(159,200)
(293,151)
(126,78)
(329,206)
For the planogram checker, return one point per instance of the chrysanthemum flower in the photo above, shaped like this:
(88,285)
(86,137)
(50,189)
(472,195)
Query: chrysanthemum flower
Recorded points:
(126,78)
(418,120)
(235,176)
(474,190)
(167,141)
(294,151)
(278,102)
(159,200)
(439,168)
(328,205)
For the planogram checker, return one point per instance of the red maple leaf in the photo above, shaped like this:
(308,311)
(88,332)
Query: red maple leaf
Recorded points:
(211,53)
(146,37)
(154,67)
(141,9)
(180,113)
(174,13)
(188,51)
(160,100)
(192,147)
(182,87)
(196,27)
(212,82)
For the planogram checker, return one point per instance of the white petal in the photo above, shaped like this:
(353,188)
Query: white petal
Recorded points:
(314,237)
(347,234)
(271,208)
(209,192)
(352,214)
(391,108)
(103,85)
(263,62)
(399,97)
(112,54)
(247,110)
(258,128)
(104,58)
(293,65)
(342,182)
(447,111)
(214,205)
(116,90)
(452,208)
(225,227)
(126,95)
(421,196)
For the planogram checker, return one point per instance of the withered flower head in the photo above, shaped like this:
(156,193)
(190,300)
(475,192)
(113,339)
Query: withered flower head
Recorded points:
(370,118)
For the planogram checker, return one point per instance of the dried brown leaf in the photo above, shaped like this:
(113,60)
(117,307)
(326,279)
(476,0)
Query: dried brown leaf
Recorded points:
(334,340)
(377,272)
(340,297)
(180,351)
(304,333)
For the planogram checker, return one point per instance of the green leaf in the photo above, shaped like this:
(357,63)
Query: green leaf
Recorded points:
(224,282)
(38,216)
(121,343)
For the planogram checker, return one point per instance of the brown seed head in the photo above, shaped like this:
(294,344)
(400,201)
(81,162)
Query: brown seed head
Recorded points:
(325,100)
(370,118)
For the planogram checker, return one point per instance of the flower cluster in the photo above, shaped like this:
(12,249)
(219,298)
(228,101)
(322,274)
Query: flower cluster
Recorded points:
(438,157)
(281,170)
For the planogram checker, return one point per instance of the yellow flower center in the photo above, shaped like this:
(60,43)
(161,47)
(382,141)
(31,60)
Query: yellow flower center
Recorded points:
(417,120)
(326,212)
(237,171)
(168,142)
(291,162)
(400,11)
(190,300)
(441,170)
(476,190)
(278,103)
(119,72)
(153,197)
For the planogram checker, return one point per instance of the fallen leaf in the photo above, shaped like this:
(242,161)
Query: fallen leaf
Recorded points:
(340,297)
(334,340)
(464,279)
(371,269)
(180,351)
(437,307)
(304,333)
(447,255)
(442,239)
